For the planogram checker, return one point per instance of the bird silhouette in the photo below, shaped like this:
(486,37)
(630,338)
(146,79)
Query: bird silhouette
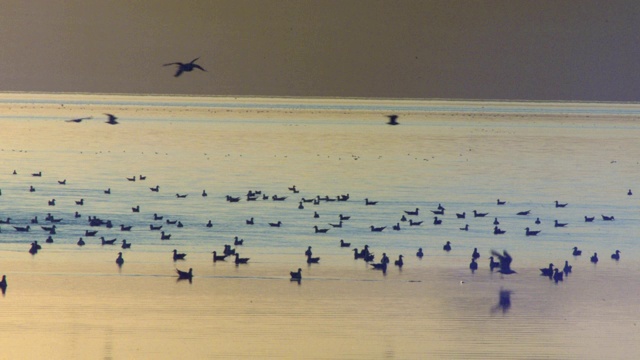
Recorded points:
(79,119)
(185,67)
(393,120)
(112,119)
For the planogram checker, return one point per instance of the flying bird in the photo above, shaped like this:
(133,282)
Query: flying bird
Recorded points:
(505,262)
(393,120)
(79,119)
(112,119)
(182,67)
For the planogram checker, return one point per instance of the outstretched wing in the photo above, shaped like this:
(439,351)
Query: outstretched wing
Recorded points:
(198,67)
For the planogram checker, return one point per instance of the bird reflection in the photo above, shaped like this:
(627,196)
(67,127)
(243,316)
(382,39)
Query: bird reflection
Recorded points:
(504,302)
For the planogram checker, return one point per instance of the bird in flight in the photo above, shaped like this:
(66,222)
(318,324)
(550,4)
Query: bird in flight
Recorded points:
(112,119)
(79,119)
(182,67)
(393,120)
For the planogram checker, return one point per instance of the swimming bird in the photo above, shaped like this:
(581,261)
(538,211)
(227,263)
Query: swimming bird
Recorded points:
(338,225)
(438,212)
(178,256)
(380,266)
(461,215)
(112,120)
(90,233)
(420,254)
(38,174)
(3,284)
(607,218)
(477,214)
(125,244)
(164,236)
(80,242)
(157,217)
(495,221)
(576,252)
(589,219)
(240,260)
(32,189)
(185,67)
(557,275)
(558,224)
(249,221)
(209,224)
(217,257)
(136,209)
(616,256)
(396,227)
(22,229)
(316,215)
(296,275)
(414,213)
(500,202)
(181,196)
(155,189)
(278,224)
(505,262)
(548,272)
(344,218)
(447,246)
(204,193)
(238,242)
(120,260)
(52,202)
(559,205)
(498,231)
(393,120)
(107,242)
(537,221)
(529,232)
(34,248)
(377,229)
(63,182)
(567,268)
(399,262)
(171,222)
(493,264)
(367,202)
(344,244)
(79,119)
(473,265)
(384,259)
(312,260)
(151,227)
(184,275)
(80,202)
(594,258)
(108,191)
(629,192)
(125,228)
(415,223)
(436,221)
(475,254)
(524,213)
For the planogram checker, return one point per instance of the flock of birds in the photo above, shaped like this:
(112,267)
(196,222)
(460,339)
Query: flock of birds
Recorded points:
(500,262)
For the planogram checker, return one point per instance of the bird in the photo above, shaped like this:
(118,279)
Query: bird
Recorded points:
(529,232)
(240,260)
(409,212)
(22,229)
(184,275)
(185,67)
(79,119)
(420,254)
(629,192)
(567,268)
(493,264)
(557,275)
(415,223)
(377,229)
(343,217)
(500,202)
(524,213)
(498,231)
(380,266)
(594,258)
(616,256)
(475,254)
(112,119)
(155,189)
(107,242)
(505,262)
(164,236)
(368,202)
(296,275)
(437,221)
(312,260)
(120,260)
(576,252)
(238,242)
(558,224)
(559,205)
(548,272)
(275,224)
(393,120)
(125,228)
(589,219)
(473,265)
(477,214)
(399,262)
(80,242)
(447,246)
(3,284)
(125,244)
(249,221)
(344,244)
(217,257)
(319,231)
(178,256)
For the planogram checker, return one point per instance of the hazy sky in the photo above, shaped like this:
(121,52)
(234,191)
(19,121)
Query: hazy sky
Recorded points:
(537,50)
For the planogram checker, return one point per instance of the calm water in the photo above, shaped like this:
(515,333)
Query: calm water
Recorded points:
(464,156)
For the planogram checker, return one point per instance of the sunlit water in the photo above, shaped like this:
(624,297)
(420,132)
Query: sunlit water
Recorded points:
(70,301)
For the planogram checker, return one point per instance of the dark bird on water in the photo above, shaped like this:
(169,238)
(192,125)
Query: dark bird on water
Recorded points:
(185,67)
(184,275)
(616,256)
(393,120)
(594,258)
(112,119)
